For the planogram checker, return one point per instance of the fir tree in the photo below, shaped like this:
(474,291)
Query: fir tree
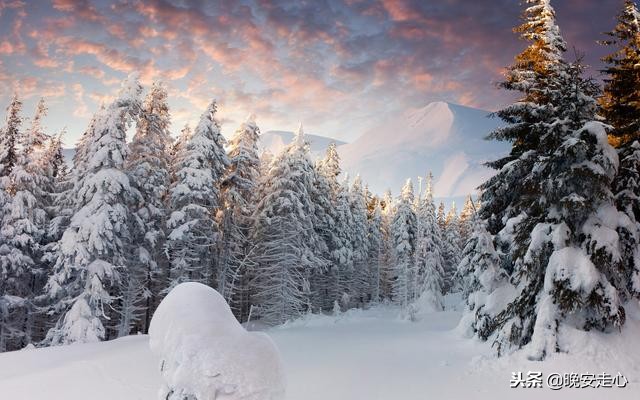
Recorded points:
(239,190)
(564,263)
(324,284)
(195,199)
(429,261)
(376,248)
(359,228)
(148,170)
(481,277)
(620,105)
(403,230)
(441,216)
(285,237)
(22,235)
(465,223)
(620,102)
(386,269)
(93,248)
(451,250)
(10,136)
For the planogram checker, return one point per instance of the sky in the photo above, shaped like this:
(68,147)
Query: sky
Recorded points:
(338,66)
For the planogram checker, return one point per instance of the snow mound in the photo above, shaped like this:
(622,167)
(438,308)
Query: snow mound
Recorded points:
(206,354)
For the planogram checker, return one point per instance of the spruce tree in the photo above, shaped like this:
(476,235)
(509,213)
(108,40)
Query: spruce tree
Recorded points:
(194,198)
(285,237)
(93,249)
(345,253)
(387,205)
(620,106)
(620,102)
(376,249)
(563,259)
(22,234)
(148,168)
(484,283)
(358,206)
(465,223)
(238,193)
(451,250)
(10,136)
(403,230)
(324,284)
(429,261)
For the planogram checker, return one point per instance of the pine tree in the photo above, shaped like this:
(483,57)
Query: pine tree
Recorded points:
(465,223)
(324,284)
(527,118)
(195,199)
(429,261)
(481,277)
(386,269)
(376,248)
(285,237)
(620,105)
(239,190)
(358,206)
(93,248)
(564,263)
(22,235)
(441,216)
(345,253)
(10,136)
(148,170)
(403,229)
(620,102)
(451,250)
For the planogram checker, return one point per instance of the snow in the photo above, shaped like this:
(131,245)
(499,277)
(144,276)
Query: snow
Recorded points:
(205,352)
(444,138)
(371,354)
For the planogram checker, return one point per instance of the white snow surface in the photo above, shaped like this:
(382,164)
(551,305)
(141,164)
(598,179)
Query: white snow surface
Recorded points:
(204,352)
(372,354)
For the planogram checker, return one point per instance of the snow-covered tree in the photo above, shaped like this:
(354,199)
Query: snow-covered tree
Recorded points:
(620,105)
(93,248)
(403,231)
(324,283)
(359,229)
(429,261)
(376,248)
(441,216)
(620,102)
(451,249)
(194,198)
(564,256)
(484,283)
(22,236)
(148,169)
(238,191)
(285,237)
(465,223)
(532,68)
(10,136)
(387,206)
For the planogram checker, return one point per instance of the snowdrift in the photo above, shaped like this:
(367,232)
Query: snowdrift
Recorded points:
(205,353)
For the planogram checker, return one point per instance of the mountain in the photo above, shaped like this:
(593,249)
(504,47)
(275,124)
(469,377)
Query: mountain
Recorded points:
(275,141)
(446,139)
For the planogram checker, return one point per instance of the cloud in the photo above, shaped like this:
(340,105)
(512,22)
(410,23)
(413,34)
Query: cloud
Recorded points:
(338,65)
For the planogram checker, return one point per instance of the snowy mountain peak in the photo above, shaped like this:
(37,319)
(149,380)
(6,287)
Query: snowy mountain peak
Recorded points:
(445,138)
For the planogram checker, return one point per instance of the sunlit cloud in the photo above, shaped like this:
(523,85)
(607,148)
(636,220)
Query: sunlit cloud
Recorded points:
(338,66)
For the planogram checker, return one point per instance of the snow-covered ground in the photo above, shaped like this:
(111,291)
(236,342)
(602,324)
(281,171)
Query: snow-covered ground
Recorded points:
(372,355)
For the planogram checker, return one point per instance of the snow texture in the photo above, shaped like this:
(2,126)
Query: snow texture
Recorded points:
(206,354)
